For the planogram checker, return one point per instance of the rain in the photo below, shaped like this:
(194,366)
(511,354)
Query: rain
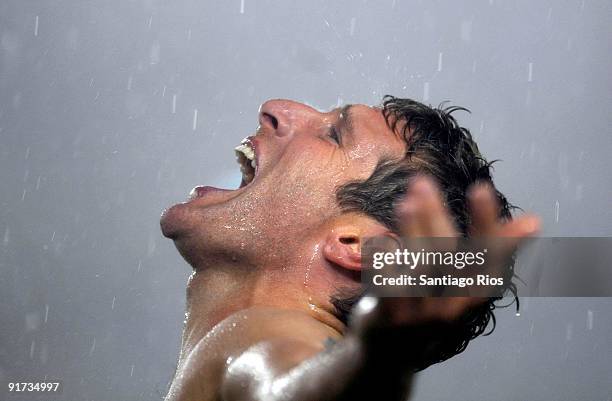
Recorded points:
(110,112)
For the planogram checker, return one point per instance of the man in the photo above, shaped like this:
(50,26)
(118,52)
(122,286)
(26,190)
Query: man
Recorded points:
(277,261)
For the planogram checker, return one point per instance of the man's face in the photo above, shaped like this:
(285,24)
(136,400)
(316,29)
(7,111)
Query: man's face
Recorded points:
(301,157)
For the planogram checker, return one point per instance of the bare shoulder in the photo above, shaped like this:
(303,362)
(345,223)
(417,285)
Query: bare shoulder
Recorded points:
(264,322)
(281,335)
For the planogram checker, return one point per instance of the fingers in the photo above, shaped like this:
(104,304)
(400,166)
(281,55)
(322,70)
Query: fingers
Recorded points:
(484,209)
(520,227)
(423,213)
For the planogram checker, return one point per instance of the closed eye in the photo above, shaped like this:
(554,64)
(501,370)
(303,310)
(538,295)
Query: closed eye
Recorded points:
(333,134)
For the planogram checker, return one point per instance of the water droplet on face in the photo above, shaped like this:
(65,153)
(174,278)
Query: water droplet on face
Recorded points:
(311,305)
(309,265)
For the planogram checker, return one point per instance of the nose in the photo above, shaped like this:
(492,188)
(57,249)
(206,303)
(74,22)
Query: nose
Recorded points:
(284,117)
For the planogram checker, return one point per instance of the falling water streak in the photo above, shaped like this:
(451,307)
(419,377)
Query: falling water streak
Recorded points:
(129,83)
(426,91)
(164,91)
(5,240)
(589,319)
(132,371)
(113,304)
(309,266)
(556,211)
(352,29)
(32,348)
(195,120)
(46,312)
(139,265)
(311,305)
(241,6)
(38,183)
(150,22)
(530,72)
(93,347)
(53,236)
(36,26)
(173,104)
(440,61)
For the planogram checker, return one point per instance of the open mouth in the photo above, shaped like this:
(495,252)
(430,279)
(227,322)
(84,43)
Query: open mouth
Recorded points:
(247,159)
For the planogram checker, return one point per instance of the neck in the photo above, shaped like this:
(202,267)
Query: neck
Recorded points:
(213,294)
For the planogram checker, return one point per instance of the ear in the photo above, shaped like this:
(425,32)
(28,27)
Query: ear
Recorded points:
(343,247)
(343,243)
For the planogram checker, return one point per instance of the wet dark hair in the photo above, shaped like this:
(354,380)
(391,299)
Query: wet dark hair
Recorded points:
(440,148)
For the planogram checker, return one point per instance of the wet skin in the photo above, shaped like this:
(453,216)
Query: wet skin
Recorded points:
(268,256)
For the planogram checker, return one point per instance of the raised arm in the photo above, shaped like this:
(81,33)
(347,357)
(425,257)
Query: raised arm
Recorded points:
(379,353)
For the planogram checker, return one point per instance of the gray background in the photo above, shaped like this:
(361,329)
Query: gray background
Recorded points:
(92,150)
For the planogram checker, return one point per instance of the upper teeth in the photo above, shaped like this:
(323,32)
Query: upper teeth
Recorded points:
(245,153)
(246,149)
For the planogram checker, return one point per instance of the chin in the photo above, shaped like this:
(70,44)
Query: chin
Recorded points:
(178,220)
(174,221)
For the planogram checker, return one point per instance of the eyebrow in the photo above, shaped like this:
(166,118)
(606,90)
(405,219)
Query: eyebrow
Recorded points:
(346,118)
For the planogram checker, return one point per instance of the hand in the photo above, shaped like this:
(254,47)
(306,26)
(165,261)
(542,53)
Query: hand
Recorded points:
(423,214)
